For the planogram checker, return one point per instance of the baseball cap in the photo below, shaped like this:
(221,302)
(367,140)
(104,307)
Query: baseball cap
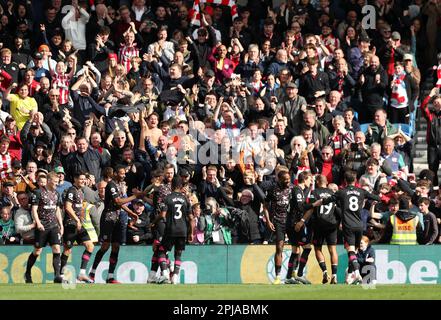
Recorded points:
(291,85)
(407,56)
(37,56)
(396,35)
(59,169)
(365,38)
(138,201)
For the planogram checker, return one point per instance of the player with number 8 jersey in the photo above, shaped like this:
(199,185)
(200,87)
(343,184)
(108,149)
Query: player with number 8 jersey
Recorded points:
(351,201)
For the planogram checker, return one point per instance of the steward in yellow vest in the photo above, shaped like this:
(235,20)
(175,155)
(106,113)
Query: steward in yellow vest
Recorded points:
(404,227)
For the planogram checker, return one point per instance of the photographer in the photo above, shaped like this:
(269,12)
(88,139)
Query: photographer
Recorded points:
(139,232)
(217,223)
(355,154)
(35,130)
(7,227)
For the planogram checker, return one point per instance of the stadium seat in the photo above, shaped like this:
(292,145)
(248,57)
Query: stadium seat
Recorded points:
(364,127)
(406,128)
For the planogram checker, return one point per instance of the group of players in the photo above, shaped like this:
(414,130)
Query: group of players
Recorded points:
(308,217)
(46,204)
(312,216)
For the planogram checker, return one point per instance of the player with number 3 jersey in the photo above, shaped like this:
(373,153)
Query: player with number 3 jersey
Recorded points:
(176,210)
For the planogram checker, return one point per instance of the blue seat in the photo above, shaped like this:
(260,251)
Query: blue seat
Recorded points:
(364,127)
(406,128)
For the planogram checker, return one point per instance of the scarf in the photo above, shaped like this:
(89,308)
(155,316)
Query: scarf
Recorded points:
(391,63)
(399,97)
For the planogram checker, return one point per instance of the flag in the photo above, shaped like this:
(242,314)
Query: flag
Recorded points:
(195,14)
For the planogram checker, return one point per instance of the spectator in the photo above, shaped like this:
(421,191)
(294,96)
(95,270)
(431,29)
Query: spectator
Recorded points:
(380,128)
(24,225)
(314,83)
(366,259)
(394,159)
(85,159)
(74,25)
(430,235)
(433,129)
(403,94)
(373,82)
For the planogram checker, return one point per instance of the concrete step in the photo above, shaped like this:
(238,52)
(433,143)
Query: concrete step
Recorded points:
(421,154)
(421,146)
(420,160)
(417,167)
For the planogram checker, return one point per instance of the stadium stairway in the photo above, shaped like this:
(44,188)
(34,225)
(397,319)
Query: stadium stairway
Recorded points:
(420,156)
(420,143)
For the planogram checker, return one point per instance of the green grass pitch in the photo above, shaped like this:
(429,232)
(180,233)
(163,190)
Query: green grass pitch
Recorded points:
(216,292)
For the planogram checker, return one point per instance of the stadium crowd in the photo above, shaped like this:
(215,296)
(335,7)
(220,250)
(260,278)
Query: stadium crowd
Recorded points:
(226,102)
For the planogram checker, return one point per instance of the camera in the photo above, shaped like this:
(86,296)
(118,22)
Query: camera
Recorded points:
(207,210)
(354,146)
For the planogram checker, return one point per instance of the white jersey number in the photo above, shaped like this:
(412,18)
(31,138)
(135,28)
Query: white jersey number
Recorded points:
(178,211)
(326,209)
(353,204)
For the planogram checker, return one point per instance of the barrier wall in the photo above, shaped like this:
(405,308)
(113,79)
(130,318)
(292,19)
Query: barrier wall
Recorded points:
(229,264)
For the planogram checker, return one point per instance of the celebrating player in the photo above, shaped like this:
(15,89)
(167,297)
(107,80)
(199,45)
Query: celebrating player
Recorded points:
(176,210)
(277,202)
(325,222)
(110,225)
(299,205)
(46,213)
(73,229)
(351,201)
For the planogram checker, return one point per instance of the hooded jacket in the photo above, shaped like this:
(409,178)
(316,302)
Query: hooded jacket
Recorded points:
(403,215)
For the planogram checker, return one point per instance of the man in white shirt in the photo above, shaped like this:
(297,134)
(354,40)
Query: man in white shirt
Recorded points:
(74,25)
(162,46)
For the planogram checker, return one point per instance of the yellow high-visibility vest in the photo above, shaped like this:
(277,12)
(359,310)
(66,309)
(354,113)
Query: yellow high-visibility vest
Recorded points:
(87,222)
(404,232)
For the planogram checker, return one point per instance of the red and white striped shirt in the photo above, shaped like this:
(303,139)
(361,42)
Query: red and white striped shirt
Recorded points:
(125,54)
(61,81)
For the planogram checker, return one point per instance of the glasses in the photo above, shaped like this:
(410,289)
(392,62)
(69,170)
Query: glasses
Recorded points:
(72,133)
(326,153)
(54,95)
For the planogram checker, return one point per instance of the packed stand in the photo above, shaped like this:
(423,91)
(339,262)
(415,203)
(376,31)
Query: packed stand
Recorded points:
(228,105)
